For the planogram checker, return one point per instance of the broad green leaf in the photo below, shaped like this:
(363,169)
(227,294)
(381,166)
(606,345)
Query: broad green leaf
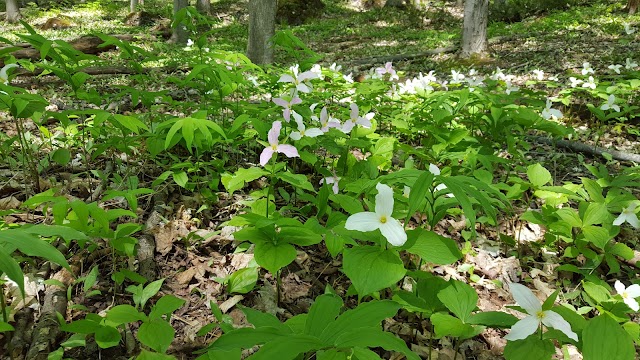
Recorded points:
(124,314)
(595,214)
(323,312)
(166,305)
(243,280)
(538,175)
(181,178)
(432,247)
(332,354)
(447,325)
(4,327)
(245,338)
(83,326)
(604,339)
(91,279)
(569,216)
(493,319)
(366,315)
(531,348)
(150,291)
(348,203)
(457,188)
(261,319)
(299,181)
(460,298)
(374,337)
(107,337)
(237,181)
(596,292)
(299,235)
(274,257)
(287,348)
(596,235)
(148,355)
(61,156)
(156,334)
(12,269)
(419,192)
(371,268)
(32,246)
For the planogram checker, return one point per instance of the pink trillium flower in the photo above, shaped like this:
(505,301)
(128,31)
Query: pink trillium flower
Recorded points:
(364,121)
(326,121)
(286,112)
(275,147)
(387,69)
(299,79)
(302,129)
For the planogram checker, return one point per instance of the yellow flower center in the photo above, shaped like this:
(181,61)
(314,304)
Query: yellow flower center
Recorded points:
(540,315)
(301,132)
(274,147)
(383,219)
(624,295)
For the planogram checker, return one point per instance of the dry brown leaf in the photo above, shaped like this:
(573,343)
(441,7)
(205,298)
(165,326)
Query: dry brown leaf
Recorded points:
(9,203)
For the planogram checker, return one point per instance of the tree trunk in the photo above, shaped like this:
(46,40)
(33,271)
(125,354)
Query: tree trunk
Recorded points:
(204,6)
(632,6)
(180,34)
(474,28)
(133,5)
(13,11)
(262,27)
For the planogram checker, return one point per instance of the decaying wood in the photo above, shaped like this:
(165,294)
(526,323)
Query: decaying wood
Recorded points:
(47,329)
(87,44)
(589,149)
(403,57)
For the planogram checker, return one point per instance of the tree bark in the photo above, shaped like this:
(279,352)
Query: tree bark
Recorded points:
(262,27)
(133,5)
(204,6)
(474,28)
(13,11)
(632,6)
(180,34)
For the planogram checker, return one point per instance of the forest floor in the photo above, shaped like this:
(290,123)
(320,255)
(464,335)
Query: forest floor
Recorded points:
(193,251)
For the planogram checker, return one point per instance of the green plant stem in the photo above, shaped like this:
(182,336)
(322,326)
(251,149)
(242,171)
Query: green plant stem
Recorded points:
(278,285)
(271,184)
(3,306)
(456,348)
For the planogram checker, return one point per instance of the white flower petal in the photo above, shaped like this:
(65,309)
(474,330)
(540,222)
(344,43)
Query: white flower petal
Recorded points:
(313,132)
(619,220)
(525,298)
(554,320)
(633,291)
(295,135)
(364,221)
(384,200)
(394,232)
(632,303)
(633,220)
(619,287)
(433,168)
(523,328)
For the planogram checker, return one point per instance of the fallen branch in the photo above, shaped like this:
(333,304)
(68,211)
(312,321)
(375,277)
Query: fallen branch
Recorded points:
(404,57)
(87,44)
(588,149)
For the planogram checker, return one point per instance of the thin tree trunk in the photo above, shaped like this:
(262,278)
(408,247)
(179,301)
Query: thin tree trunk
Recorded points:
(474,28)
(180,34)
(133,5)
(13,11)
(204,6)
(632,6)
(262,27)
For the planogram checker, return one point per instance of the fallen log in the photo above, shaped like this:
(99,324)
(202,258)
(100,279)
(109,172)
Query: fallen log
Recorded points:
(588,149)
(88,44)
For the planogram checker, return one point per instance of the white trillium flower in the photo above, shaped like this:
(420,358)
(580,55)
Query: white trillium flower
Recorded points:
(381,219)
(335,68)
(628,29)
(610,104)
(630,64)
(4,77)
(615,68)
(539,74)
(456,77)
(510,87)
(497,75)
(586,68)
(299,80)
(629,215)
(302,129)
(434,169)
(590,83)
(549,113)
(527,326)
(628,294)
(575,82)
